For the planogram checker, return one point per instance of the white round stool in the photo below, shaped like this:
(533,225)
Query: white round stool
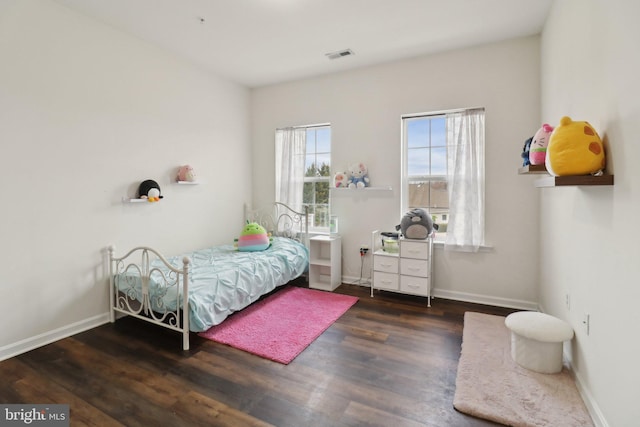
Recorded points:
(536,340)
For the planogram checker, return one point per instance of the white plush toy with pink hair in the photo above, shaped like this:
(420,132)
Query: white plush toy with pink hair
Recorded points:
(340,179)
(186,173)
(539,143)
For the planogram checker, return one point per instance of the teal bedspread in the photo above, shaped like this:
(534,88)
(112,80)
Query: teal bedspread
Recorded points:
(223,280)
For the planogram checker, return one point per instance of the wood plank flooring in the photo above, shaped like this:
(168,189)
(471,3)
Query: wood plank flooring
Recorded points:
(389,361)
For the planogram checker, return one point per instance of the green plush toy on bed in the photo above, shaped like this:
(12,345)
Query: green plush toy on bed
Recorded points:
(253,238)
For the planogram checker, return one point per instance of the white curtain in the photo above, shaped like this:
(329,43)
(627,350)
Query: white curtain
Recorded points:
(465,141)
(290,155)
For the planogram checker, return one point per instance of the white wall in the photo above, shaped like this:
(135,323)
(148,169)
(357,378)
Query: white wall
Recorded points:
(590,68)
(86,114)
(364,108)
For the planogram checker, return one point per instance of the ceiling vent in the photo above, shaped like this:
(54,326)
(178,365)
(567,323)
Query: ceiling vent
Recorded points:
(339,54)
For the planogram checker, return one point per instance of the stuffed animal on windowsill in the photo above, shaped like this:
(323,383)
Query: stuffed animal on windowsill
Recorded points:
(358,176)
(253,238)
(150,190)
(417,224)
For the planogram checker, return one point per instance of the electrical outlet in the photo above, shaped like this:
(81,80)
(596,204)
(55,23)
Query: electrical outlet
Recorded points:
(586,322)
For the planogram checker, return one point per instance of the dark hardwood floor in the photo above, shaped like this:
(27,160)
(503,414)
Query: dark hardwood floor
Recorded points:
(389,361)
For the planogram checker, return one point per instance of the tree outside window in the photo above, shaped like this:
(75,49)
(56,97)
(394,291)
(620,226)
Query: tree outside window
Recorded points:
(318,175)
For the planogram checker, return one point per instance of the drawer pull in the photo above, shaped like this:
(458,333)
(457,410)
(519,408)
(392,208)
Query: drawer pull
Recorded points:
(386,265)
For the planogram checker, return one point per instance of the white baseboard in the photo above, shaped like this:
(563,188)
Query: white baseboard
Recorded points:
(350,280)
(590,403)
(485,299)
(460,296)
(592,406)
(43,339)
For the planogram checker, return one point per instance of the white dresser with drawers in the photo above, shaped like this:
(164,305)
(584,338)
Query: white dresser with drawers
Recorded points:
(406,271)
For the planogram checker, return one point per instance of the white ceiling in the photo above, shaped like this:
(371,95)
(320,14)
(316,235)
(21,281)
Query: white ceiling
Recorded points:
(261,42)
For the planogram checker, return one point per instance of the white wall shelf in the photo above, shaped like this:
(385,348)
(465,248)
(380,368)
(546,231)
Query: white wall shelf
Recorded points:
(128,200)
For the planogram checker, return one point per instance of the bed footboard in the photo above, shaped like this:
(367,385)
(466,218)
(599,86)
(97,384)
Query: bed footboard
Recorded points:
(143,284)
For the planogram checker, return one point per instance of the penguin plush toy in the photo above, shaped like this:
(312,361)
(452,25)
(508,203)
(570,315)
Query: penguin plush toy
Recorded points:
(417,224)
(149,190)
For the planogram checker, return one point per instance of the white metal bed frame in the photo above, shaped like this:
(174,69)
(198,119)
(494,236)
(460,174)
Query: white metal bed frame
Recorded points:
(125,272)
(281,220)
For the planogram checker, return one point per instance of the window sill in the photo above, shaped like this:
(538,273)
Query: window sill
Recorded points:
(439,244)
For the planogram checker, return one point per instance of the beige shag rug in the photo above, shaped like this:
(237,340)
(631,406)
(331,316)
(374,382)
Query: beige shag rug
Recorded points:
(490,385)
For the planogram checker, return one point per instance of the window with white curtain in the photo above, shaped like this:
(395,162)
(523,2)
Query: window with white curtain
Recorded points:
(303,166)
(425,150)
(443,173)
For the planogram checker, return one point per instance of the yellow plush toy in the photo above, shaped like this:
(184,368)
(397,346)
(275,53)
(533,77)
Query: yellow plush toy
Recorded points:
(574,149)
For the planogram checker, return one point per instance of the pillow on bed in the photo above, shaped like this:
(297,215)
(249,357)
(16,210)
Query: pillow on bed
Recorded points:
(253,238)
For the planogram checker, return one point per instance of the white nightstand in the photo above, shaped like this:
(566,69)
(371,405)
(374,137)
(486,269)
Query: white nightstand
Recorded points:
(325,265)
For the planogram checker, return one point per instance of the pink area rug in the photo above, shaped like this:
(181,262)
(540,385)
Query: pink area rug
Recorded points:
(282,325)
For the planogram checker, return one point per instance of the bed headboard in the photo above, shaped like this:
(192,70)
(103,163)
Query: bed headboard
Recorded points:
(281,220)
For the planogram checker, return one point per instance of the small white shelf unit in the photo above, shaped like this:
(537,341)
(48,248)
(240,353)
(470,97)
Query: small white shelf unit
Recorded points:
(325,263)
(408,271)
(188,182)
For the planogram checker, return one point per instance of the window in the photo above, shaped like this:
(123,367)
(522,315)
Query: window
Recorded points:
(317,175)
(303,164)
(443,172)
(425,171)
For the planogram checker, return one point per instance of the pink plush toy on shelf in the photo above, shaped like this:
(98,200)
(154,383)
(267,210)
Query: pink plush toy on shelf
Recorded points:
(186,174)
(340,179)
(538,148)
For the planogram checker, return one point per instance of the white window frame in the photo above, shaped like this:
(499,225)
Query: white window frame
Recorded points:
(453,155)
(406,179)
(319,179)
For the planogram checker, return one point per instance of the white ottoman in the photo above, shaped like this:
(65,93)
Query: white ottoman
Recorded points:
(536,340)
